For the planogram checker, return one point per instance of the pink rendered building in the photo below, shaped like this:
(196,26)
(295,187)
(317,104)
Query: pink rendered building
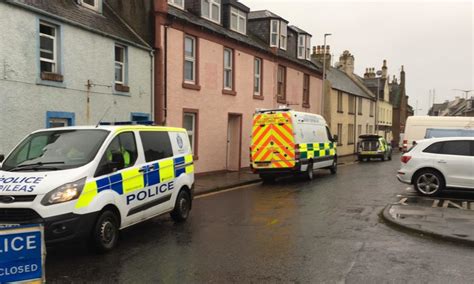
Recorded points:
(216,62)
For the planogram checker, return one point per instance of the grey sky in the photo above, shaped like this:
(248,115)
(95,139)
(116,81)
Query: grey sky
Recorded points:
(433,39)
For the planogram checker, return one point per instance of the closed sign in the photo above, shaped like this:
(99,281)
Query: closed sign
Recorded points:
(21,253)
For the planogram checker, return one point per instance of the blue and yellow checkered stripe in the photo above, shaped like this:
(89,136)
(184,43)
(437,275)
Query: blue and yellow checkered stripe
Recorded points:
(317,150)
(137,178)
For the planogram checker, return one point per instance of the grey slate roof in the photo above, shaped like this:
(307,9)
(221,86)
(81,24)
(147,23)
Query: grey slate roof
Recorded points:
(264,14)
(342,82)
(249,40)
(298,30)
(374,84)
(236,4)
(107,23)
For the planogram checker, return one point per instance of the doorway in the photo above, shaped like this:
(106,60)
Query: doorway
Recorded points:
(234,142)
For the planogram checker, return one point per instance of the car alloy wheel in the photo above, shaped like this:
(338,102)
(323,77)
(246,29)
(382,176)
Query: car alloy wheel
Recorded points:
(428,183)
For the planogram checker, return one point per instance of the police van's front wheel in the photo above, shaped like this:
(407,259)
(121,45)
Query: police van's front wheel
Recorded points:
(105,232)
(182,207)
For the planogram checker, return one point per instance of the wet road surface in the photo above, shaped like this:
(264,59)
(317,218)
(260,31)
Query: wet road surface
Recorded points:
(327,230)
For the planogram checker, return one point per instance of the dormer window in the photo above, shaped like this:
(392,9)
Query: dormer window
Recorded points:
(283,35)
(92,4)
(177,3)
(304,46)
(211,10)
(238,20)
(278,34)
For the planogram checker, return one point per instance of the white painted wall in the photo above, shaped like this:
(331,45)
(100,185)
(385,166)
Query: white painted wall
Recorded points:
(85,56)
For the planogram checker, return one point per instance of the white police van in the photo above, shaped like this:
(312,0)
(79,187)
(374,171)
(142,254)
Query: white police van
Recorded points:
(89,182)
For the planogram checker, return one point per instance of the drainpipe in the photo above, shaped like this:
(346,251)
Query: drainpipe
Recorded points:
(88,101)
(166,77)
(152,85)
(355,123)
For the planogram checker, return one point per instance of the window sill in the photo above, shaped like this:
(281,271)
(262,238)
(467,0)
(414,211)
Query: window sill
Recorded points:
(123,94)
(359,113)
(122,88)
(339,144)
(190,86)
(371,116)
(258,97)
(352,143)
(281,101)
(340,111)
(48,76)
(48,83)
(351,113)
(306,106)
(229,92)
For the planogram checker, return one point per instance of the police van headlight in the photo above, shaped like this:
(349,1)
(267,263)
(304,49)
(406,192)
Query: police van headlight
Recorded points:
(64,193)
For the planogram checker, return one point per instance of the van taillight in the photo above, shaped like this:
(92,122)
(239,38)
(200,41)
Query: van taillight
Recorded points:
(405,159)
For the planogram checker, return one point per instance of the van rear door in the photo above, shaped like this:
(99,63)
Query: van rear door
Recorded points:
(273,144)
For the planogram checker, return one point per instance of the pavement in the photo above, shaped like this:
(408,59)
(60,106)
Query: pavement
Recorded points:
(327,230)
(207,183)
(449,217)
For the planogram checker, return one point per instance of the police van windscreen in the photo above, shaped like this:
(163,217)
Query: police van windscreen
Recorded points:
(55,150)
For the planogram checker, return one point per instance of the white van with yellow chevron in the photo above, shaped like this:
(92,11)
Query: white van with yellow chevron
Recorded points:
(90,182)
(287,141)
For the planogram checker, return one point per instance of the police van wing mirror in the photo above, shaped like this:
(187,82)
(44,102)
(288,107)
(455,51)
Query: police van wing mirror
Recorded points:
(334,138)
(2,157)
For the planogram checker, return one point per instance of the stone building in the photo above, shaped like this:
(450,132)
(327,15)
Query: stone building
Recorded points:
(349,107)
(401,109)
(66,62)
(457,107)
(377,83)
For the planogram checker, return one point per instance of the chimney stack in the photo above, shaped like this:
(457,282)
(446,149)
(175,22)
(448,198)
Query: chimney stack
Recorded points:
(366,74)
(320,52)
(346,62)
(384,70)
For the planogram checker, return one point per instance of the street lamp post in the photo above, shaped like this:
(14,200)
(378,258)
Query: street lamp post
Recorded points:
(324,73)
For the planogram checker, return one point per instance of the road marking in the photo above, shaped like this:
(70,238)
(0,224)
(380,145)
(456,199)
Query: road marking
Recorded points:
(224,191)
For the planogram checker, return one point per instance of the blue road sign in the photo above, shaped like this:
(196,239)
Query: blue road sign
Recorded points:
(21,253)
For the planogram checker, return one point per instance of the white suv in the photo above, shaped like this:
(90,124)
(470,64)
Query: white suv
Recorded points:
(434,164)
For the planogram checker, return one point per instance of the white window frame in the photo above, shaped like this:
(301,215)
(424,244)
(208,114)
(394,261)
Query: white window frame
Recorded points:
(240,15)
(190,59)
(123,64)
(212,3)
(230,68)
(94,7)
(192,132)
(258,76)
(173,3)
(301,47)
(283,35)
(277,33)
(54,61)
(308,47)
